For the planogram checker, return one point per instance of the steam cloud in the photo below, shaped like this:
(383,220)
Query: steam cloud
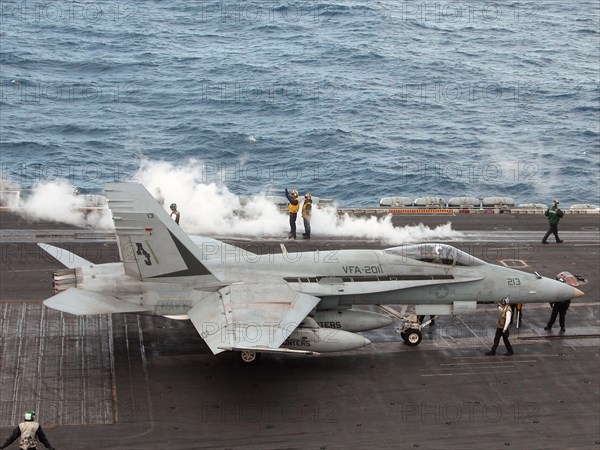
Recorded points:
(211,209)
(55,201)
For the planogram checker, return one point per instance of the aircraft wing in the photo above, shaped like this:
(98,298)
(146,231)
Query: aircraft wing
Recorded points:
(250,316)
(79,302)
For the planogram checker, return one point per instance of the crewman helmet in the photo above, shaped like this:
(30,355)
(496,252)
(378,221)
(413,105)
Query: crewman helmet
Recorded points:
(173,206)
(505,301)
(29,415)
(294,193)
(308,195)
(556,202)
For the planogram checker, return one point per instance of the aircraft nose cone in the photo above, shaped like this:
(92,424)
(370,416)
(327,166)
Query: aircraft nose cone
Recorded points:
(578,293)
(367,342)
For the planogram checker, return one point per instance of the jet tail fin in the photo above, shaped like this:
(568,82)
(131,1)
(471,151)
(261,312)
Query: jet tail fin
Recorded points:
(152,246)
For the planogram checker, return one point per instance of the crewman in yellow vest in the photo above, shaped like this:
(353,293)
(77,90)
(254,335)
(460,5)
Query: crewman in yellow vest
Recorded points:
(293,208)
(31,433)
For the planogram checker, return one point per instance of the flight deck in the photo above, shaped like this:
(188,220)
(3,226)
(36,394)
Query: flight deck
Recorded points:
(144,382)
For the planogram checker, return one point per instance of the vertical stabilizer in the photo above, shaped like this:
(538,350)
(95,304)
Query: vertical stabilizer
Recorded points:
(152,246)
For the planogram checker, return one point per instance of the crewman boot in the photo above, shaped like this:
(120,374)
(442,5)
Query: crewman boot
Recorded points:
(548,327)
(491,353)
(508,353)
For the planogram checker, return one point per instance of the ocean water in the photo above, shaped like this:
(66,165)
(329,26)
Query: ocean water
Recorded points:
(348,100)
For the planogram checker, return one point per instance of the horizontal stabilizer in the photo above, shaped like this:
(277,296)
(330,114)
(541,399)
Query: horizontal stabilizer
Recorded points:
(70,260)
(214,249)
(80,302)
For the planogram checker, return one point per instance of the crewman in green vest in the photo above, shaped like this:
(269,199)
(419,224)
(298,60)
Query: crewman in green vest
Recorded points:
(554,214)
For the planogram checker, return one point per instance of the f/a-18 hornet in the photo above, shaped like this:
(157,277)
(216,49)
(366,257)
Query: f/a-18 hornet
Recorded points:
(288,302)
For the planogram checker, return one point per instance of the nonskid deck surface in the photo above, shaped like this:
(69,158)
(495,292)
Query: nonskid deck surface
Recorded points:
(150,382)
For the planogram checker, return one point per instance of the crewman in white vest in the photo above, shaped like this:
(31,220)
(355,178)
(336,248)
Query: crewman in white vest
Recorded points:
(502,328)
(175,212)
(30,432)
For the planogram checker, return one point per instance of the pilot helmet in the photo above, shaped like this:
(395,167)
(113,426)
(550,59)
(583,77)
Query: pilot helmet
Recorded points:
(29,415)
(173,206)
(505,301)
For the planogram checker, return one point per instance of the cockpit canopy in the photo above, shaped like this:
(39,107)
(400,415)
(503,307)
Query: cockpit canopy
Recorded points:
(436,254)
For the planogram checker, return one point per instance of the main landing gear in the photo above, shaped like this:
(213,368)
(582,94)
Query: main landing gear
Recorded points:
(249,356)
(412,336)
(411,331)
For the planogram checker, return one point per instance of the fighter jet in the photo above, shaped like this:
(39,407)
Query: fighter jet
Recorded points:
(289,302)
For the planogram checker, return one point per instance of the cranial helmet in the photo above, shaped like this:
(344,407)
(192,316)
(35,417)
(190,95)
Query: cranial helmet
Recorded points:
(29,415)
(505,301)
(556,202)
(173,206)
(294,193)
(307,195)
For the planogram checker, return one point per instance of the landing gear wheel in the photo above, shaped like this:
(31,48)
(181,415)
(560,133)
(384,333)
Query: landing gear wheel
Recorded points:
(249,356)
(412,337)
